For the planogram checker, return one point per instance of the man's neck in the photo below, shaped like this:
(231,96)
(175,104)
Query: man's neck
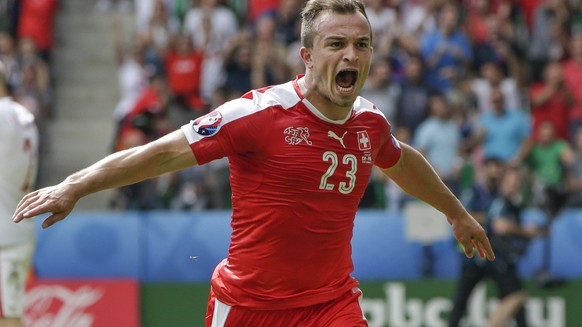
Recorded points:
(323,105)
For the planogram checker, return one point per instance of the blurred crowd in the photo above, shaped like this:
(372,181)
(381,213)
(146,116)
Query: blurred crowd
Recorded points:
(26,41)
(463,81)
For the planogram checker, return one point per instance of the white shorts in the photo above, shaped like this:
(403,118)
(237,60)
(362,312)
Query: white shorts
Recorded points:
(15,263)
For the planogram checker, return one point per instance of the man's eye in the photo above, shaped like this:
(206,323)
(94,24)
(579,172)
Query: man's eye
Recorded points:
(336,44)
(363,44)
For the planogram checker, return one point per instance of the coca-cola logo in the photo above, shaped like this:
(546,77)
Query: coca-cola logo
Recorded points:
(59,306)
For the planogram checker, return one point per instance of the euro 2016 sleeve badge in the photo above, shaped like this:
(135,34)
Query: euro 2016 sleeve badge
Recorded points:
(208,124)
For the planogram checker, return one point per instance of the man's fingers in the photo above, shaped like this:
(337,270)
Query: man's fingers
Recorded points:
(24,206)
(27,198)
(477,245)
(487,249)
(52,219)
(484,248)
(468,247)
(34,206)
(47,200)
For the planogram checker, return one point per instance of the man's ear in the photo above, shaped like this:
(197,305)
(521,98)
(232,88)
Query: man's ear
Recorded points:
(306,56)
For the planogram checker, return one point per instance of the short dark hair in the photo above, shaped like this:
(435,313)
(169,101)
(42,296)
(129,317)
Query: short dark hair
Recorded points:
(493,160)
(313,8)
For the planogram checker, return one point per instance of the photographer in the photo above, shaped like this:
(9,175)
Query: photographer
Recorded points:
(509,239)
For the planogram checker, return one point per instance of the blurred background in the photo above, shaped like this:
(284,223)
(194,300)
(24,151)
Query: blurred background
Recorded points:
(466,82)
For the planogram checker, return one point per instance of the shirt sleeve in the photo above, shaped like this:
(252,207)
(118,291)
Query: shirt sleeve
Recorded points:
(235,127)
(390,151)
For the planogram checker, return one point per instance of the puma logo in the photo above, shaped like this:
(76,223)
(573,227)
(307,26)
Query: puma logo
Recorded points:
(340,139)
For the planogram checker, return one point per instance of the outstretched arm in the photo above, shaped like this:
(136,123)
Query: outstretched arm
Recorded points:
(417,177)
(167,154)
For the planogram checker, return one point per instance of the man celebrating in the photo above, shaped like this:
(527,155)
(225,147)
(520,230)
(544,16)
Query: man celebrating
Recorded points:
(295,189)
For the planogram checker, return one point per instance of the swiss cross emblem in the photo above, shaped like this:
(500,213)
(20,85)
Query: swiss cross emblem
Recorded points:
(364,141)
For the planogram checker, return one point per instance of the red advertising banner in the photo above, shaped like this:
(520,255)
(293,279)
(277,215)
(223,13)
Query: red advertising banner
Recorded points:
(82,303)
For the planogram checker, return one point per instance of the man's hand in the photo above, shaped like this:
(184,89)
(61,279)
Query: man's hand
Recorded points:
(53,199)
(472,236)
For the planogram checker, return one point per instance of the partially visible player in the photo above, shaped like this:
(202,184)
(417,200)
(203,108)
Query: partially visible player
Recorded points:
(18,169)
(301,155)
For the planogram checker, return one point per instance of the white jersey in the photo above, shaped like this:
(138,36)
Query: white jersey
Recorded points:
(18,168)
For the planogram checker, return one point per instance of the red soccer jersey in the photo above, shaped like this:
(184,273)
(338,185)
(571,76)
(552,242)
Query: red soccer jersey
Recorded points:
(184,72)
(555,110)
(573,77)
(37,20)
(297,179)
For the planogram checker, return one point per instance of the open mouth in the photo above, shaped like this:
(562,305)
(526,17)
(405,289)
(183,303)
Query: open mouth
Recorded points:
(346,80)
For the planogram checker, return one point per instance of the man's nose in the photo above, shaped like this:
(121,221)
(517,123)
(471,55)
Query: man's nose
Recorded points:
(351,53)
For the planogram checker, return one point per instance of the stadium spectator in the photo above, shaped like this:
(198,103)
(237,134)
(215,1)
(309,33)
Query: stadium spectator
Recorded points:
(287,22)
(491,76)
(30,94)
(463,107)
(575,16)
(132,74)
(293,62)
(439,139)
(9,11)
(529,7)
(294,199)
(446,51)
(391,40)
(36,21)
(548,35)
(9,59)
(551,100)
(412,107)
(256,8)
(384,23)
(419,17)
(478,14)
(239,64)
(269,56)
(503,134)
(212,27)
(18,170)
(574,173)
(161,28)
(380,89)
(547,159)
(572,69)
(183,66)
(144,11)
(147,119)
(35,79)
(496,33)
